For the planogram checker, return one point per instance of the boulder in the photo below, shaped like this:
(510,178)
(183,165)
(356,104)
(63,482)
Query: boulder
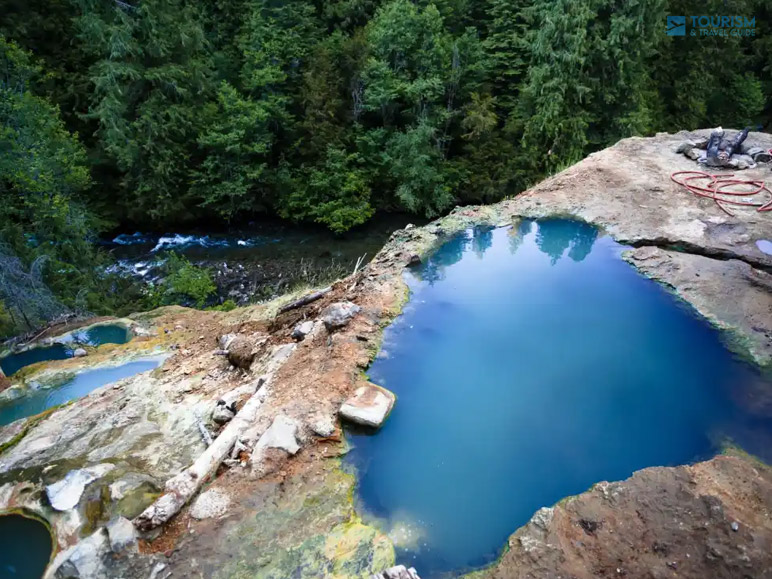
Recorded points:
(339,314)
(122,535)
(223,413)
(210,504)
(323,426)
(80,353)
(241,353)
(694,154)
(65,494)
(759,155)
(369,406)
(301,330)
(742,161)
(225,341)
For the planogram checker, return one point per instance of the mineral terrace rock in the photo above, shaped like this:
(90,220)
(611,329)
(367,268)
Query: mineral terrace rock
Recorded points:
(65,494)
(339,314)
(84,560)
(301,330)
(241,353)
(397,572)
(210,504)
(80,353)
(369,406)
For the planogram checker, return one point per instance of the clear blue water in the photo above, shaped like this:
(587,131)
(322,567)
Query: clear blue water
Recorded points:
(96,336)
(25,547)
(80,385)
(529,364)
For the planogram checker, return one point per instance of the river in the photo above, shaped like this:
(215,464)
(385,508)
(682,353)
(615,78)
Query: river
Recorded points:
(257,262)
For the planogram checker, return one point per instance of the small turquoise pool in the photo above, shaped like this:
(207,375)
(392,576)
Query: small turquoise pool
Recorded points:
(78,386)
(25,547)
(529,364)
(95,336)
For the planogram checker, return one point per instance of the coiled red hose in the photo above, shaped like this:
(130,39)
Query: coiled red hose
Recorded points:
(716,186)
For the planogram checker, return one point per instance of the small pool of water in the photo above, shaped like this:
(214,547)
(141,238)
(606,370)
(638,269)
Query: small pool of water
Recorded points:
(25,547)
(96,336)
(80,385)
(529,364)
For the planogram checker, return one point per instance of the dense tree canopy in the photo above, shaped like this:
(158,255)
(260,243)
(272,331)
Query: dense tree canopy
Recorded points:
(154,113)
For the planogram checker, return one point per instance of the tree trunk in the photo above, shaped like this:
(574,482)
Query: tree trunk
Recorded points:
(181,488)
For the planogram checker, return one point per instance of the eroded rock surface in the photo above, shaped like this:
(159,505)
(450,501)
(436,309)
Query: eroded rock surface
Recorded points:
(661,522)
(730,293)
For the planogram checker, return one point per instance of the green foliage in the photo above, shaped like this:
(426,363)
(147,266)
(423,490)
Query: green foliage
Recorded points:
(151,75)
(185,282)
(45,230)
(7,325)
(226,306)
(586,83)
(170,111)
(235,146)
(334,193)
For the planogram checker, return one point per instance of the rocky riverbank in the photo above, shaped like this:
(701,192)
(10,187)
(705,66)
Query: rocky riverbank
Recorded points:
(279,504)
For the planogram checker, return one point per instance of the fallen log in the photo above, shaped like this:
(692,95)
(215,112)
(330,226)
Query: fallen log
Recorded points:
(307,299)
(181,488)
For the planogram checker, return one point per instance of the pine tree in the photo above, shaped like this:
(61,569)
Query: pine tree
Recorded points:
(507,49)
(151,76)
(586,84)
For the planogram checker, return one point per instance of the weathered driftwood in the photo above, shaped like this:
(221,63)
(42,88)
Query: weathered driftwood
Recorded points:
(181,488)
(306,299)
(397,572)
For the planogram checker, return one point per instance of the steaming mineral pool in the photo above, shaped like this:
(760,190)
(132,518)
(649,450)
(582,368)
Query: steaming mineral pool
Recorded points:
(77,386)
(529,364)
(93,336)
(25,547)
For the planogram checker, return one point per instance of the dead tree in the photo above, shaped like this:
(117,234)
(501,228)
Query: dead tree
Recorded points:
(24,293)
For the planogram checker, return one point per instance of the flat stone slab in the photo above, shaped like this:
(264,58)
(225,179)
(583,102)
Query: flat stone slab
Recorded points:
(369,406)
(281,434)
